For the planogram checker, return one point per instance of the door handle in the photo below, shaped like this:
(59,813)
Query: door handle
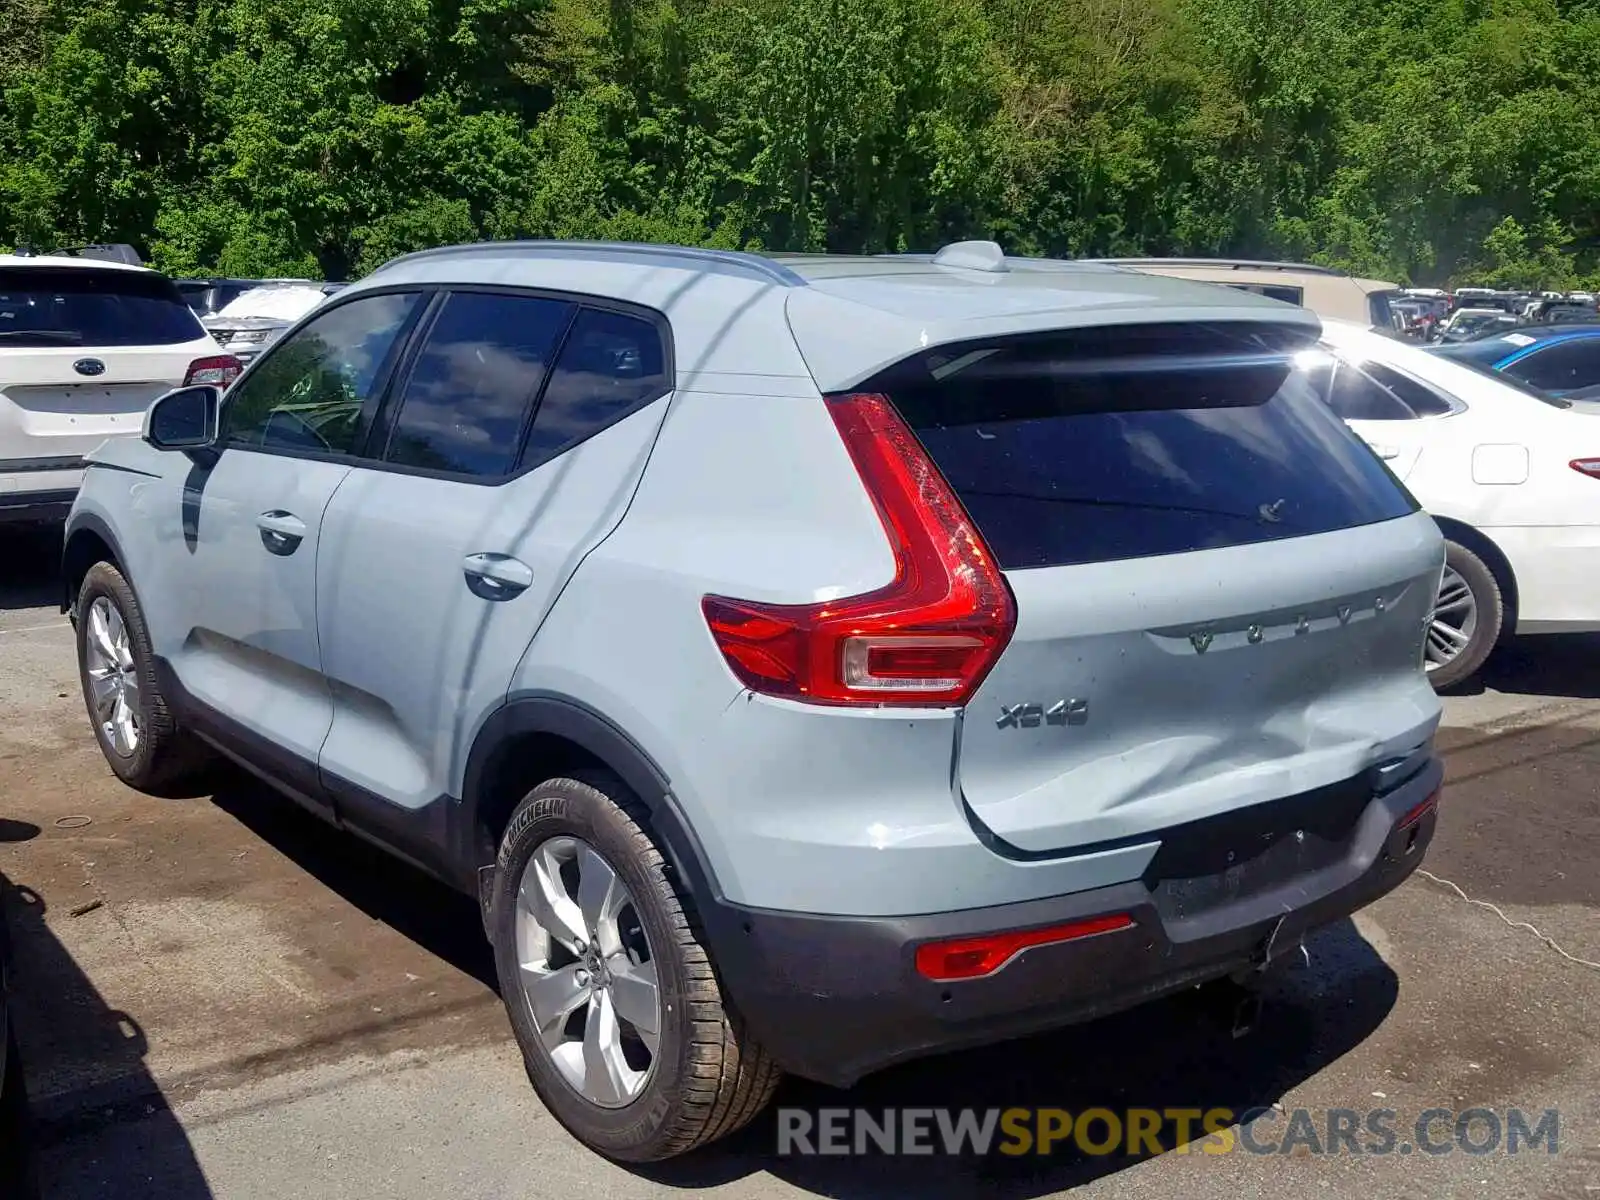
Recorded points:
(496,576)
(281,532)
(1384,452)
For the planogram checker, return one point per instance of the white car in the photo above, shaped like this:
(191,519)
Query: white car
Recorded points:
(251,322)
(1510,475)
(85,346)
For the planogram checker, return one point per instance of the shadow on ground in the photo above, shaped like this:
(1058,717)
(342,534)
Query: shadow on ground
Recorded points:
(97,1122)
(1563,666)
(30,567)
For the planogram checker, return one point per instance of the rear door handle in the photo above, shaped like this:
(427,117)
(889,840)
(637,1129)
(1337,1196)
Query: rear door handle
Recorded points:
(1384,452)
(496,576)
(281,532)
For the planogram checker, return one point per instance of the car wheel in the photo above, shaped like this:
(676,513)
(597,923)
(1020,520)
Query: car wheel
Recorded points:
(612,996)
(130,716)
(1467,618)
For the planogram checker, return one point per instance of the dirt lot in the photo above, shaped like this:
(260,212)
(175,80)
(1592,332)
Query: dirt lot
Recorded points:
(220,996)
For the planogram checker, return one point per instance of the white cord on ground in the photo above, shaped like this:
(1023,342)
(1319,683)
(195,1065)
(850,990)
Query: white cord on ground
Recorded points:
(1543,937)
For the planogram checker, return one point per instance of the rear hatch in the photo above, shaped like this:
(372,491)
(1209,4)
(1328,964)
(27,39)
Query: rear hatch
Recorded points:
(83,352)
(1221,592)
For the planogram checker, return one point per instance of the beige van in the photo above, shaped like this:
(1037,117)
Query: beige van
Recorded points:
(1328,293)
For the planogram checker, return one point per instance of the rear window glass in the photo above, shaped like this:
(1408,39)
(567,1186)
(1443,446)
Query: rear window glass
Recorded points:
(1103,445)
(43,306)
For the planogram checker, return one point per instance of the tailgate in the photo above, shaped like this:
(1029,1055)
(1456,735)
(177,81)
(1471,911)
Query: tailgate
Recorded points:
(1221,593)
(44,394)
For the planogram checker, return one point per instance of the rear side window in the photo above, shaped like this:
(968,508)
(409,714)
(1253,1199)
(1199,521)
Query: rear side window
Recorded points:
(1560,367)
(1373,392)
(1103,445)
(473,387)
(82,306)
(611,365)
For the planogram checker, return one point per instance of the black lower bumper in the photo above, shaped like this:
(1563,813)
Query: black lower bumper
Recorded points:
(36,508)
(836,998)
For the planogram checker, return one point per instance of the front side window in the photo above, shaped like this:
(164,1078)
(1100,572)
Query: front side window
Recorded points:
(472,390)
(311,390)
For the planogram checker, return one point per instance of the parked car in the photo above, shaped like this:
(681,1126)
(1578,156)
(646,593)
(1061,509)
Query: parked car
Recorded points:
(1510,473)
(648,594)
(210,296)
(85,345)
(1467,323)
(250,323)
(1553,358)
(1331,294)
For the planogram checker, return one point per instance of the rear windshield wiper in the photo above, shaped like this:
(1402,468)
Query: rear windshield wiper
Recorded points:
(65,337)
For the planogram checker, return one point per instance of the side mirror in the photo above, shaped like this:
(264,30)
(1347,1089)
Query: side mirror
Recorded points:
(185,419)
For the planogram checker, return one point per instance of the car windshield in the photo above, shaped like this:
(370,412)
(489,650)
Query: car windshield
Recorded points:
(80,306)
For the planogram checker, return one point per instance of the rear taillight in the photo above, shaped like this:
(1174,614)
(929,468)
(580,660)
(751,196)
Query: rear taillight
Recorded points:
(973,958)
(217,369)
(926,639)
(1586,466)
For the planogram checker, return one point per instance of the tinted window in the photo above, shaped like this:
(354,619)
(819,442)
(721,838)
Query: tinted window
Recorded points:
(474,383)
(610,365)
(1116,445)
(66,306)
(1356,397)
(1418,399)
(309,390)
(1273,291)
(1560,367)
(1378,309)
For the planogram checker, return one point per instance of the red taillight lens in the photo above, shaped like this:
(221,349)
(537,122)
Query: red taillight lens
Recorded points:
(973,958)
(218,369)
(1586,466)
(1418,811)
(928,638)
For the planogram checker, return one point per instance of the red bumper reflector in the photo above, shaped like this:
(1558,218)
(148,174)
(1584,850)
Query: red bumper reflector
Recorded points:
(1418,811)
(973,958)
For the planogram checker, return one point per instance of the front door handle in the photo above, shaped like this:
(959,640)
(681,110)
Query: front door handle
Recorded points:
(496,576)
(281,532)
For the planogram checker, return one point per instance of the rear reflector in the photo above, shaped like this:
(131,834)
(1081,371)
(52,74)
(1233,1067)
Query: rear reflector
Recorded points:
(927,638)
(1586,466)
(973,958)
(1418,811)
(218,369)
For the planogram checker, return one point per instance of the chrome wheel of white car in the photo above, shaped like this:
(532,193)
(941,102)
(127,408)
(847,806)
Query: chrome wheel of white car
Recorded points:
(113,679)
(587,972)
(1455,620)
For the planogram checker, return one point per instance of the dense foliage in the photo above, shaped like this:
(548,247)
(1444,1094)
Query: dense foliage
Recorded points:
(1421,141)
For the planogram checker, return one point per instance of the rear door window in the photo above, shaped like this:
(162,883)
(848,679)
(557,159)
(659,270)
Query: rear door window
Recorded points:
(1103,445)
(470,395)
(84,306)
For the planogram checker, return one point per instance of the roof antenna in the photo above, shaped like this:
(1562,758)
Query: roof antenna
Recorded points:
(972,256)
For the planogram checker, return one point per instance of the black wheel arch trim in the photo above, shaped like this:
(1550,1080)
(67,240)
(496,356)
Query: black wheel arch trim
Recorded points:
(77,523)
(572,720)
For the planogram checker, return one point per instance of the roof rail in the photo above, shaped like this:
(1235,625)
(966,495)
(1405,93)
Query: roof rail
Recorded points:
(753,266)
(117,252)
(1233,264)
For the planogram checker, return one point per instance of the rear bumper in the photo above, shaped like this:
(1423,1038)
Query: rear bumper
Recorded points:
(41,508)
(836,998)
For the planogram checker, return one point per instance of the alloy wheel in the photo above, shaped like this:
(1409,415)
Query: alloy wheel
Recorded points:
(113,680)
(587,972)
(1454,621)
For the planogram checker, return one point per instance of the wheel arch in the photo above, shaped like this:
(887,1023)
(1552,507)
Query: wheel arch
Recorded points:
(536,737)
(1494,558)
(88,540)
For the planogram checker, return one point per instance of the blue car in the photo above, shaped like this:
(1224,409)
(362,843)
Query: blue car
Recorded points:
(1554,358)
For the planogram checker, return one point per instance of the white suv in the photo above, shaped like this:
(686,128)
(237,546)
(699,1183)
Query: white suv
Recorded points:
(85,346)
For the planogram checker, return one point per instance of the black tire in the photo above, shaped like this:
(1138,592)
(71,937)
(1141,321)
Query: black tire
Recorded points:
(709,1077)
(17,1168)
(164,755)
(1490,604)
